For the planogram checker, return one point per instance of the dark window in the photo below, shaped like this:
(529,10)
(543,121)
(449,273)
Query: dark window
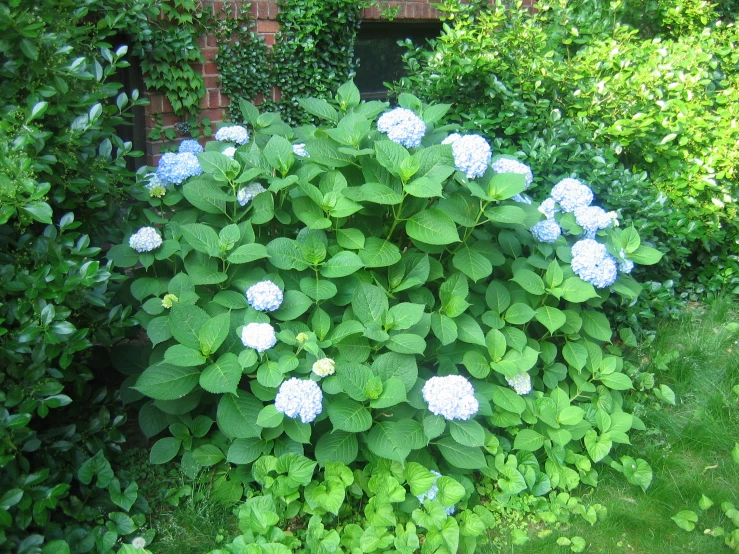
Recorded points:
(378,56)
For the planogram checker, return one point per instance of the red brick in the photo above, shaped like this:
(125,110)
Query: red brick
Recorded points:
(169,119)
(276,94)
(155,103)
(211,40)
(266,26)
(211,81)
(204,102)
(225,101)
(197,68)
(269,39)
(259,99)
(166,105)
(214,98)
(209,53)
(215,114)
(210,69)
(153,160)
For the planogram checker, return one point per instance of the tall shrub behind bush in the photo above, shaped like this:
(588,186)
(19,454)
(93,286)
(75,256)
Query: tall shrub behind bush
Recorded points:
(61,167)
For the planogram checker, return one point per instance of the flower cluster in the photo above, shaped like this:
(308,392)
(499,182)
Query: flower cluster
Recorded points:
(451,397)
(571,194)
(230,152)
(592,219)
(259,336)
(592,263)
(505,165)
(324,367)
(154,185)
(521,383)
(432,492)
(299,397)
(247,194)
(190,145)
(402,126)
(299,150)
(265,296)
(145,239)
(548,207)
(175,168)
(472,154)
(233,133)
(547,230)
(625,266)
(169,300)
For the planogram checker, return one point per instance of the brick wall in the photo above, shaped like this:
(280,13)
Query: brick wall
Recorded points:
(264,12)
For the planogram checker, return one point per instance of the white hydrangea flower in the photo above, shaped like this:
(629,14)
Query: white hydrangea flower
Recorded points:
(176,168)
(259,336)
(433,492)
(402,126)
(572,194)
(625,266)
(546,231)
(233,133)
(247,194)
(548,207)
(522,198)
(230,152)
(299,150)
(504,165)
(521,383)
(146,239)
(592,263)
(451,397)
(472,155)
(451,138)
(265,296)
(299,397)
(190,145)
(139,543)
(592,219)
(324,367)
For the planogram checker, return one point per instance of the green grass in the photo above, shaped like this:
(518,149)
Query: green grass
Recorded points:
(688,446)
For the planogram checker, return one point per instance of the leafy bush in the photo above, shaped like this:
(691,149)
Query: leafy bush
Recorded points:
(328,297)
(61,164)
(573,72)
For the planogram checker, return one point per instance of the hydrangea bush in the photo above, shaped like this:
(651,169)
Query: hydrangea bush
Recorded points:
(363,296)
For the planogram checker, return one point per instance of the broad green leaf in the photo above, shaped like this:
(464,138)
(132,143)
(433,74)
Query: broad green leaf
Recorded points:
(320,108)
(180,355)
(528,439)
(529,281)
(348,415)
(575,354)
(467,433)
(222,376)
(645,255)
(686,519)
(279,153)
(596,325)
(185,322)
(508,400)
(294,304)
(393,393)
(379,253)
(269,417)
(237,415)
(450,491)
(202,238)
(208,455)
(354,378)
(617,381)
(369,303)
(476,364)
(245,451)
(598,447)
(247,253)
(472,263)
(638,472)
(167,382)
(432,226)
(338,446)
(519,313)
(551,318)
(406,314)
(214,332)
(458,455)
(164,450)
(575,289)
(342,264)
(406,343)
(444,328)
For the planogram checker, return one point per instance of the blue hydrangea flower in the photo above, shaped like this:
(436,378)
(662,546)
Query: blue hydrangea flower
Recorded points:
(230,152)
(233,133)
(592,263)
(145,239)
(592,219)
(247,194)
(546,231)
(190,145)
(451,138)
(522,198)
(402,126)
(299,150)
(299,397)
(259,336)
(472,155)
(433,492)
(265,296)
(571,194)
(504,165)
(626,265)
(451,397)
(176,168)
(520,383)
(548,207)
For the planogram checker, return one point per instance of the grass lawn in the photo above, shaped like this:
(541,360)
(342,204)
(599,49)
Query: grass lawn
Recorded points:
(688,446)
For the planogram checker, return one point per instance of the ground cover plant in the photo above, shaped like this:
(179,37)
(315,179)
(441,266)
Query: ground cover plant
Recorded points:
(349,322)
(640,107)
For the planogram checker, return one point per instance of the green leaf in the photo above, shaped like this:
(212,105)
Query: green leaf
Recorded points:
(247,253)
(617,381)
(529,281)
(551,318)
(393,393)
(467,433)
(354,378)
(476,364)
(338,446)
(406,314)
(686,519)
(575,289)
(598,447)
(377,193)
(164,450)
(347,415)
(704,503)
(342,264)
(638,472)
(460,456)
(124,499)
(167,382)
(433,426)
(450,491)
(279,153)
(503,186)
(390,155)
(40,211)
(402,366)
(219,166)
(419,478)
(472,263)
(222,376)
(519,313)
(208,455)
(469,330)
(432,226)
(497,297)
(213,333)
(379,253)
(237,415)
(406,343)
(245,451)
(575,354)
(369,303)
(269,417)
(202,238)
(385,443)
(444,328)
(645,255)
(571,415)
(528,439)
(180,355)
(353,239)
(294,304)
(205,195)
(123,256)
(320,108)
(185,322)
(506,215)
